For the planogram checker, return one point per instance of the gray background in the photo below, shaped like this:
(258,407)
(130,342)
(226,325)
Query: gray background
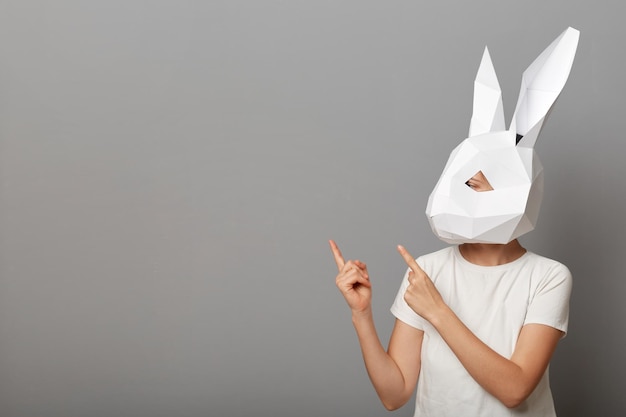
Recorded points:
(171,171)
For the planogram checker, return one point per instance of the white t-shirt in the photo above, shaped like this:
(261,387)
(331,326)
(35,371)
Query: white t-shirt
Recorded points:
(494,302)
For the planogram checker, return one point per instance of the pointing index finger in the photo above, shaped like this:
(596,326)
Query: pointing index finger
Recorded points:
(408,258)
(337,254)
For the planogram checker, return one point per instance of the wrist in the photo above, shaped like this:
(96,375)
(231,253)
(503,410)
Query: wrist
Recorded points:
(362,315)
(440,315)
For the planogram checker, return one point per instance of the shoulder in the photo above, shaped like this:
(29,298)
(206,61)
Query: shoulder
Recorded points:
(542,262)
(434,262)
(548,270)
(442,254)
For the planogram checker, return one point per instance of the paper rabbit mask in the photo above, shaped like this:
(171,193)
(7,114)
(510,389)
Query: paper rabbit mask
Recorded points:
(506,158)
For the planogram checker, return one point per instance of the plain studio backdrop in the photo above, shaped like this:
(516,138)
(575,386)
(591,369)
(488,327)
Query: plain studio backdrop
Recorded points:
(171,172)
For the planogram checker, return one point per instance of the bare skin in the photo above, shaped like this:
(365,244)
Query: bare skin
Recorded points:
(487,254)
(479,182)
(394,372)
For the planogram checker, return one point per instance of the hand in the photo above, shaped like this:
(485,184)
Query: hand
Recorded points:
(353,281)
(421,295)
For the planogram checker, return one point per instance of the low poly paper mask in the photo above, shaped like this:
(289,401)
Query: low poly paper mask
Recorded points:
(506,158)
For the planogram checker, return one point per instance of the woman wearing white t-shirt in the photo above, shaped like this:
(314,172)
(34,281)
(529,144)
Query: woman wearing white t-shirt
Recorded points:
(477,323)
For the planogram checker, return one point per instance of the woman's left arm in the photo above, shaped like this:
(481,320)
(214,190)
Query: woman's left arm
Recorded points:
(509,380)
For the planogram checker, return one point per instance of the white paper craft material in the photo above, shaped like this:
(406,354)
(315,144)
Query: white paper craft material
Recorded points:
(458,213)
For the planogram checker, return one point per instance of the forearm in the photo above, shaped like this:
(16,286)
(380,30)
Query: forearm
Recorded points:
(386,376)
(499,376)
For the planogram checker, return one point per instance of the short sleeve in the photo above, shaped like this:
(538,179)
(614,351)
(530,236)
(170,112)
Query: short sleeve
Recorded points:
(550,303)
(401,310)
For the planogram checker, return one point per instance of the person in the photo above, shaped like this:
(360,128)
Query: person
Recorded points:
(477,322)
(476,326)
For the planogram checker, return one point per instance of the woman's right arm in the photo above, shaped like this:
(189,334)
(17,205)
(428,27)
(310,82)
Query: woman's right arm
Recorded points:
(393,372)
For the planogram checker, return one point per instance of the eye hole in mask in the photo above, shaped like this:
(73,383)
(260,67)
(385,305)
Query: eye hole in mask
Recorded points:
(479,182)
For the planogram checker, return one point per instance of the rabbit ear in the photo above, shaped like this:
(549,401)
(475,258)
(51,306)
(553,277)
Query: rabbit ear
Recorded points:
(488,113)
(542,83)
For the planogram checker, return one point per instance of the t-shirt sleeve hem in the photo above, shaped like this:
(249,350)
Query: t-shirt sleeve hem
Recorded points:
(406,318)
(558,326)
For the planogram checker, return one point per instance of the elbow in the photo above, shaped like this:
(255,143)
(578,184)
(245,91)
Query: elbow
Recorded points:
(391,406)
(514,400)
(515,393)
